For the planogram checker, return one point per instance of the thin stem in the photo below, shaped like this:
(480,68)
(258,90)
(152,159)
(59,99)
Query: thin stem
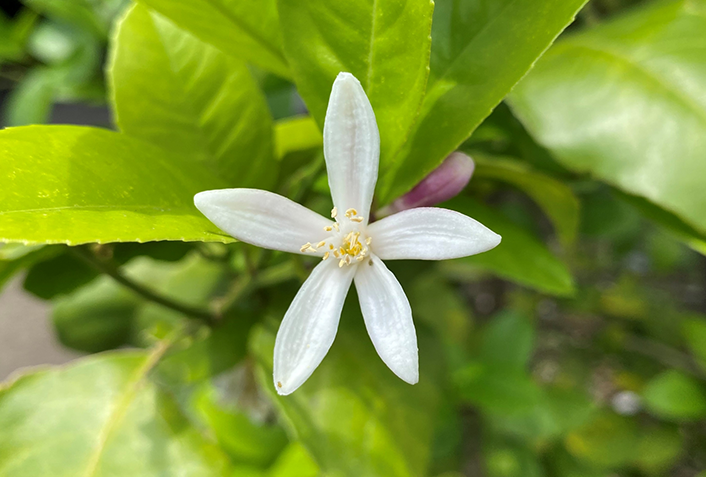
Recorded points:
(112,270)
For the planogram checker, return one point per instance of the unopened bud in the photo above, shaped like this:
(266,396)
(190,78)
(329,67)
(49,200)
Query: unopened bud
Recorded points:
(442,184)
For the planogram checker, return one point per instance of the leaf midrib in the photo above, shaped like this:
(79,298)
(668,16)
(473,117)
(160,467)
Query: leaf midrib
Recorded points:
(122,406)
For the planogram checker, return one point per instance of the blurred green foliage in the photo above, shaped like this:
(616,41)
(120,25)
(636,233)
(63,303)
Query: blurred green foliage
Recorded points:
(577,348)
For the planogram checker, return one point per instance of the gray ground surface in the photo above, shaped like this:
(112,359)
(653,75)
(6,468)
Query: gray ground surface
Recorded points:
(26,334)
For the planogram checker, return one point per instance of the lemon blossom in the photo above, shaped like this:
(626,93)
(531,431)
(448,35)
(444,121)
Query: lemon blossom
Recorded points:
(350,248)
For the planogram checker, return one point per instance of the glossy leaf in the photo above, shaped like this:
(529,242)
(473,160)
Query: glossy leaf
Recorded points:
(520,257)
(624,102)
(481,48)
(181,94)
(344,414)
(383,43)
(555,198)
(99,416)
(248,30)
(673,395)
(67,184)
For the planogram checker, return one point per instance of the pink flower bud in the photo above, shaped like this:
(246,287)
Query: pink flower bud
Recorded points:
(442,184)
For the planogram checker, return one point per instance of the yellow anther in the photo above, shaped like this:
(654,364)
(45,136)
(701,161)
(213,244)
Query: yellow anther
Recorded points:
(357,219)
(334,213)
(360,258)
(321,244)
(341,263)
(311,249)
(305,247)
(368,240)
(328,228)
(335,226)
(336,254)
(351,212)
(330,246)
(326,255)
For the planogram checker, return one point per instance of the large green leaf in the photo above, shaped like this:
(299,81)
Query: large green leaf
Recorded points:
(480,49)
(69,184)
(520,257)
(97,417)
(625,103)
(384,43)
(184,95)
(247,29)
(555,198)
(354,416)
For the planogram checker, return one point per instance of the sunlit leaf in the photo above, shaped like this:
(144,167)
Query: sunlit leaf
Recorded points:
(100,416)
(173,90)
(248,30)
(481,48)
(67,184)
(625,103)
(383,43)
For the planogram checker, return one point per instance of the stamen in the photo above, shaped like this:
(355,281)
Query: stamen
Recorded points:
(341,263)
(335,226)
(330,246)
(305,247)
(351,212)
(326,255)
(357,219)
(368,240)
(328,228)
(321,244)
(334,213)
(311,249)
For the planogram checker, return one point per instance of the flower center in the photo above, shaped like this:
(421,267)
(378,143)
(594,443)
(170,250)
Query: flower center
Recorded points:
(348,243)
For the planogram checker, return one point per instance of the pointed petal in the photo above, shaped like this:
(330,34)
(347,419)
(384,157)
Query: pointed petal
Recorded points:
(430,233)
(388,318)
(309,326)
(262,218)
(351,146)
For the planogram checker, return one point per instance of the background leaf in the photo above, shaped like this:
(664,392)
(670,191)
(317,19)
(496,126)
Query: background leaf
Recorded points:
(481,48)
(68,184)
(248,29)
(184,95)
(94,413)
(520,257)
(625,103)
(673,395)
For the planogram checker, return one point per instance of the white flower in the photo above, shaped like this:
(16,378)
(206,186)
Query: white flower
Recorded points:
(350,248)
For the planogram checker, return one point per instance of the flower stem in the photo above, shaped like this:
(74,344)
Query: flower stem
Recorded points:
(113,271)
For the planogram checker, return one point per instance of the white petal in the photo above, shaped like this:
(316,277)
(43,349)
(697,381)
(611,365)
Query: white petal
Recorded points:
(388,318)
(430,233)
(309,326)
(262,218)
(351,146)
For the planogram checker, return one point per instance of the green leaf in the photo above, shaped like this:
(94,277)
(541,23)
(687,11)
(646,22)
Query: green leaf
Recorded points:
(384,43)
(694,331)
(100,416)
(659,448)
(248,30)
(58,275)
(520,257)
(32,100)
(508,341)
(244,440)
(296,134)
(69,184)
(607,441)
(675,396)
(625,103)
(97,317)
(17,257)
(555,198)
(481,48)
(181,94)
(353,415)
